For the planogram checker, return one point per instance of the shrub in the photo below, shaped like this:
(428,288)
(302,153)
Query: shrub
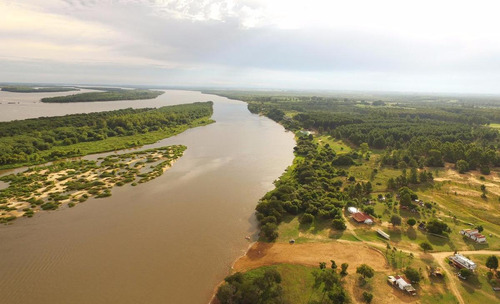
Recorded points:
(367,297)
(426,246)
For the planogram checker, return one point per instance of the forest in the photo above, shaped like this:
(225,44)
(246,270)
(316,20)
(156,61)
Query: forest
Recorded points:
(29,89)
(45,139)
(108,95)
(412,134)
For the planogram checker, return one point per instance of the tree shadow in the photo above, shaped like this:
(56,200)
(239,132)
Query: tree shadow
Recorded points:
(411,233)
(395,234)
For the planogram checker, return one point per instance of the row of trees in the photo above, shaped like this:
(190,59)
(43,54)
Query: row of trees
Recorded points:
(415,135)
(109,95)
(310,190)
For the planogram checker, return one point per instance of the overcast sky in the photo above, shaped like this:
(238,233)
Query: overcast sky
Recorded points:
(387,45)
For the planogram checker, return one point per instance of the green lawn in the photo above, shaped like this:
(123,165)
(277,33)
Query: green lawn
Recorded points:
(318,231)
(337,145)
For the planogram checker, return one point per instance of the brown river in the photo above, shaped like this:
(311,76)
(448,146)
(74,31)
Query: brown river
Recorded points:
(171,240)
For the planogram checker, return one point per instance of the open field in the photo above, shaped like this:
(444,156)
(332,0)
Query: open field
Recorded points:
(311,254)
(298,282)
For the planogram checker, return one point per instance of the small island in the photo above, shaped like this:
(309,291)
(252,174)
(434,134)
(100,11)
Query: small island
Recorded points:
(108,95)
(73,182)
(40,140)
(33,89)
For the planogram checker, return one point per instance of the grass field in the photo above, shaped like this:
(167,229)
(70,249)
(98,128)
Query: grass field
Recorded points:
(337,145)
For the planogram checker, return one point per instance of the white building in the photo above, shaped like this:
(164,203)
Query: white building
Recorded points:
(462,262)
(401,283)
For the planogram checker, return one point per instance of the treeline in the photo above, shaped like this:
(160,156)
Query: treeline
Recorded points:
(109,95)
(35,140)
(27,89)
(312,189)
(413,135)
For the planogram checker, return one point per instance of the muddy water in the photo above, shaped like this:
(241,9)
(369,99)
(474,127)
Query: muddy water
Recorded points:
(170,240)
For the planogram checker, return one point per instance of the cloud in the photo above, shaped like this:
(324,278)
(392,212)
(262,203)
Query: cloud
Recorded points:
(386,44)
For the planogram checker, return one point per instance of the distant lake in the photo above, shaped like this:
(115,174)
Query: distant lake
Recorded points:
(170,240)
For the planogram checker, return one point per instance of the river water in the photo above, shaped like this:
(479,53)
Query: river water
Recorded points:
(170,240)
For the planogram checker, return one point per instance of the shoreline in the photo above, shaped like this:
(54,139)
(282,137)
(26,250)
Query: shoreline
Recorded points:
(213,299)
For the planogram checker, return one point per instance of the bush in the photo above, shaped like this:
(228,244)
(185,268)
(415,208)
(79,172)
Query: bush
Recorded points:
(411,222)
(412,274)
(367,297)
(426,246)
(268,231)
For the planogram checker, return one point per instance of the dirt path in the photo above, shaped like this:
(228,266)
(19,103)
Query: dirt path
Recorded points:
(310,254)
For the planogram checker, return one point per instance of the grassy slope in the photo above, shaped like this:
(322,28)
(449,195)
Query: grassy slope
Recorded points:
(119,143)
(297,282)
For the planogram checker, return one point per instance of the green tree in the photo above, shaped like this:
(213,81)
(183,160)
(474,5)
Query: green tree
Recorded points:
(396,220)
(437,227)
(492,262)
(333,265)
(365,271)
(367,297)
(343,269)
(412,274)
(466,273)
(306,218)
(413,176)
(426,246)
(462,166)
(269,231)
(411,222)
(338,224)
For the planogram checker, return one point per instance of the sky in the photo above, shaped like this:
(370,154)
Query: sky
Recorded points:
(383,45)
